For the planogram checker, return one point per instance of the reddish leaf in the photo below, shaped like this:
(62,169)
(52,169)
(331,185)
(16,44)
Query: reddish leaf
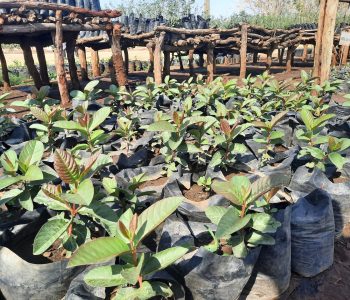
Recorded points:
(65,166)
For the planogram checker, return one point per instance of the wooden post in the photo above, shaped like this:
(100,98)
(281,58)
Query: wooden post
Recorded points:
(95,63)
(201,60)
(304,57)
(126,61)
(325,39)
(210,63)
(5,71)
(117,55)
(167,62)
(180,60)
(344,54)
(255,57)
(83,63)
(190,62)
(71,61)
(42,65)
(243,51)
(280,56)
(29,61)
(289,59)
(269,59)
(158,58)
(59,61)
(151,57)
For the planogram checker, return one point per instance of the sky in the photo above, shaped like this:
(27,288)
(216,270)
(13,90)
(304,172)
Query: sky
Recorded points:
(218,7)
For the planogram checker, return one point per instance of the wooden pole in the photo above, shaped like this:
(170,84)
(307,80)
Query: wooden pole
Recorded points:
(42,65)
(269,60)
(83,63)
(201,60)
(95,63)
(180,60)
(210,63)
(126,61)
(289,59)
(255,57)
(304,57)
(59,61)
(243,51)
(158,58)
(345,54)
(151,57)
(4,71)
(328,39)
(190,62)
(117,55)
(167,62)
(317,52)
(280,57)
(29,61)
(72,64)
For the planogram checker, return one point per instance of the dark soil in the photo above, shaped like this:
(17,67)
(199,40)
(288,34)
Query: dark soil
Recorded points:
(55,253)
(196,193)
(231,173)
(158,182)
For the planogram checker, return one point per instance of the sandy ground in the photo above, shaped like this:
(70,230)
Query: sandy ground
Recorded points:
(14,56)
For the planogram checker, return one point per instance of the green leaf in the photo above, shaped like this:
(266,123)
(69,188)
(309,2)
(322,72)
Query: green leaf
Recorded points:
(25,199)
(97,251)
(51,203)
(316,152)
(257,239)
(307,118)
(78,95)
(278,118)
(132,274)
(31,154)
(69,125)
(9,161)
(9,195)
(48,234)
(337,160)
(99,117)
(163,259)
(161,126)
(236,190)
(91,85)
(39,127)
(263,185)
(230,223)
(276,135)
(85,192)
(215,213)
(265,223)
(39,114)
(106,276)
(7,181)
(33,173)
(319,121)
(147,291)
(154,215)
(109,184)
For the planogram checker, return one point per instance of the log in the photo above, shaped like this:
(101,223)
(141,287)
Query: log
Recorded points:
(243,51)
(108,13)
(71,61)
(210,63)
(95,63)
(91,40)
(29,61)
(117,55)
(158,58)
(42,65)
(195,31)
(83,63)
(190,62)
(4,71)
(48,27)
(142,36)
(59,61)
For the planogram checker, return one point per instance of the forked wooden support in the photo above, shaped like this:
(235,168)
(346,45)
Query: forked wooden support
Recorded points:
(29,61)
(42,65)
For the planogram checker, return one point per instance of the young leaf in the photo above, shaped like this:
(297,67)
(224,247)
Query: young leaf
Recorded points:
(99,117)
(337,160)
(7,181)
(109,184)
(31,154)
(69,125)
(106,276)
(230,223)
(65,166)
(279,117)
(163,259)
(48,234)
(307,118)
(9,195)
(215,213)
(265,223)
(154,215)
(97,251)
(25,199)
(33,173)
(132,274)
(257,238)
(9,161)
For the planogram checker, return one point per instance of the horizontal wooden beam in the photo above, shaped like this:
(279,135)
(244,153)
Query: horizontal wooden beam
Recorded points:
(196,31)
(64,7)
(43,27)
